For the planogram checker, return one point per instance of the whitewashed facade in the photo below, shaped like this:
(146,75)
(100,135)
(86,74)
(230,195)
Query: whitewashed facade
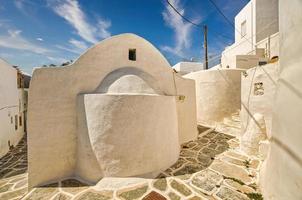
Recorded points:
(119,110)
(256,35)
(187,67)
(12,106)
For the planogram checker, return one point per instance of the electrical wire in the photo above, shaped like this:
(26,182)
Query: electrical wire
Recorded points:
(186,19)
(219,34)
(218,9)
(258,32)
(201,26)
(196,25)
(227,19)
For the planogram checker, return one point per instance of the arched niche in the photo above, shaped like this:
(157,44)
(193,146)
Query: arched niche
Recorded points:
(129,80)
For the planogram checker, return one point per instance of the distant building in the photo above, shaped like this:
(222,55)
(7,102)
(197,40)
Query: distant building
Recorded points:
(13,105)
(187,67)
(256,35)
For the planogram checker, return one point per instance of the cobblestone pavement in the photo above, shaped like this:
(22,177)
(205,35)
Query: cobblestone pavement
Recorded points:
(211,167)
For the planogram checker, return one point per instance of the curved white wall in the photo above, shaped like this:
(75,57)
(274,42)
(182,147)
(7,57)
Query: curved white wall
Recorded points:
(130,84)
(129,135)
(281,177)
(52,117)
(217,94)
(186,109)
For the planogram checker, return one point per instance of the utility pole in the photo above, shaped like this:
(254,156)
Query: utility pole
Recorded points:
(205,36)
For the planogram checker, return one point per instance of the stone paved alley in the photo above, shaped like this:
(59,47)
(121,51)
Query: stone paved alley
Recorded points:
(210,167)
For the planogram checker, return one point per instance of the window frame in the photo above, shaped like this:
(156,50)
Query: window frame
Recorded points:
(243,25)
(16,122)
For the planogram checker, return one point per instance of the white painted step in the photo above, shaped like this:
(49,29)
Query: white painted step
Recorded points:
(232,123)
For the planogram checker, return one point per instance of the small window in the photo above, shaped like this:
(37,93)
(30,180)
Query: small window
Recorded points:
(243,28)
(20,120)
(132,54)
(16,122)
(11,120)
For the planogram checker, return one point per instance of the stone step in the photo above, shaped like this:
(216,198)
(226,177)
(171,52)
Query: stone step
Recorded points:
(231,123)
(235,118)
(228,130)
(236,113)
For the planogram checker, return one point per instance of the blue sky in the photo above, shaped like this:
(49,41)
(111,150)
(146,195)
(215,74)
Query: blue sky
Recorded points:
(38,32)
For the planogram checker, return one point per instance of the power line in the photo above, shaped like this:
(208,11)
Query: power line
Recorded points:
(227,19)
(240,43)
(218,9)
(197,25)
(186,19)
(219,34)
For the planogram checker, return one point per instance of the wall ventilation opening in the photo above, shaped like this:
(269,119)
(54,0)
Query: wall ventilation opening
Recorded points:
(16,122)
(10,147)
(258,88)
(132,54)
(20,120)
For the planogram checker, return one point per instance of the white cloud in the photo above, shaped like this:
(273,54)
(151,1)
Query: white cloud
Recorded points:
(19,4)
(181,29)
(6,55)
(40,39)
(173,50)
(25,6)
(57,60)
(71,11)
(78,44)
(103,28)
(14,40)
(72,50)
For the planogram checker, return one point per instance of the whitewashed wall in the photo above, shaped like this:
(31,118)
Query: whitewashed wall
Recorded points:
(186,67)
(261,22)
(281,175)
(246,14)
(105,68)
(254,101)
(217,94)
(270,45)
(9,107)
(267,20)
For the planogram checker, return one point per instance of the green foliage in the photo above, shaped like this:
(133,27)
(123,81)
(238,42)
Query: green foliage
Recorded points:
(234,179)
(247,163)
(253,185)
(254,196)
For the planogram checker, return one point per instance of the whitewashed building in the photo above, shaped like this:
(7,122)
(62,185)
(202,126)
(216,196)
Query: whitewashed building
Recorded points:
(256,35)
(104,108)
(187,67)
(13,106)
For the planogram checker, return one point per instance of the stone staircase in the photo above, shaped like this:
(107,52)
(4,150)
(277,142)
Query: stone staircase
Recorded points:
(230,125)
